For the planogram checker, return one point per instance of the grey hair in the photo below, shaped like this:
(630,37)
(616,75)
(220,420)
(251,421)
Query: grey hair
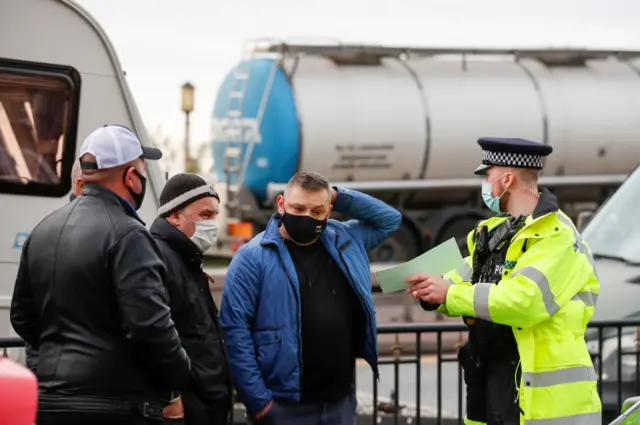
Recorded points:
(76,172)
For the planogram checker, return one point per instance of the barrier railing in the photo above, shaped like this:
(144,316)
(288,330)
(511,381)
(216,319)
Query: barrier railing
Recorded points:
(614,346)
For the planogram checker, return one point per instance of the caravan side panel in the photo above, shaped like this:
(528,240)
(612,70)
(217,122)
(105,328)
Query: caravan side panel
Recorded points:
(54,32)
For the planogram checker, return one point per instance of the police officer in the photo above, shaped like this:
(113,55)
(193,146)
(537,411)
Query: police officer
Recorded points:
(526,292)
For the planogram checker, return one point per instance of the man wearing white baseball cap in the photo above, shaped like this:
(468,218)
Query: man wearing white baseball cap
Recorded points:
(114,149)
(90,298)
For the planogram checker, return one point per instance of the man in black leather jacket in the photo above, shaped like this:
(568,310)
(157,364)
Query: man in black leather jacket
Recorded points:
(76,190)
(90,298)
(185,229)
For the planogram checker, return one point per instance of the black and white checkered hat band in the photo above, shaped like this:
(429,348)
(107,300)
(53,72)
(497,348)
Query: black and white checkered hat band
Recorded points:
(518,160)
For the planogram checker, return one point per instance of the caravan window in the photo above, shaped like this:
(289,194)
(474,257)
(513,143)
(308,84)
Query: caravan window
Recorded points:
(38,124)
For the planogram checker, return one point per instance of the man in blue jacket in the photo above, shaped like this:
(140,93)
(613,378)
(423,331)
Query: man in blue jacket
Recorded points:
(297,308)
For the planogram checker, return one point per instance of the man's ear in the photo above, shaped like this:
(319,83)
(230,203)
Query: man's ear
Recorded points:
(510,179)
(280,204)
(128,177)
(330,210)
(174,219)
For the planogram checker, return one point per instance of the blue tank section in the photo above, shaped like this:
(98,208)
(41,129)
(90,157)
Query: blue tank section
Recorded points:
(276,149)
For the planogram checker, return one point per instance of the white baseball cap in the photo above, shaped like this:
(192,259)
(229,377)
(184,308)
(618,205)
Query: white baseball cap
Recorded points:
(113,146)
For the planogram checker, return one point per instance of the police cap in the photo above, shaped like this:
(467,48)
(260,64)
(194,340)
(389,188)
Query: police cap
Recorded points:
(510,152)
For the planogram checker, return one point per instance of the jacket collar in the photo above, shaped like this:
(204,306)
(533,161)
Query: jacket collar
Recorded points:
(178,241)
(111,197)
(272,234)
(547,203)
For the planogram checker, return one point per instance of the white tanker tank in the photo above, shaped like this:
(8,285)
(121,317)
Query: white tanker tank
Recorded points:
(402,124)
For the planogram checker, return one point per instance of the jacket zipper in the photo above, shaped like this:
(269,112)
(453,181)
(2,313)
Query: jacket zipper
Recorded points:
(299,333)
(517,382)
(364,306)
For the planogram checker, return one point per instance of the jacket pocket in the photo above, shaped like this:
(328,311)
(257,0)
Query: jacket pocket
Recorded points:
(268,344)
(277,360)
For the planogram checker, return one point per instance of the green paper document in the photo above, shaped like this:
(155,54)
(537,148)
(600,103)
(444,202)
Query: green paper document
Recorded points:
(438,260)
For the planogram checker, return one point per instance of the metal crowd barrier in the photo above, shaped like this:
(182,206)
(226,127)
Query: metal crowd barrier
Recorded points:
(630,414)
(618,341)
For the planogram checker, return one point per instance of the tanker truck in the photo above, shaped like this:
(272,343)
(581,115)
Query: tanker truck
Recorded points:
(401,124)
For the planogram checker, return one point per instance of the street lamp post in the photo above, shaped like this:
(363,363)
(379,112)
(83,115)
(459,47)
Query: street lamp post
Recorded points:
(187,107)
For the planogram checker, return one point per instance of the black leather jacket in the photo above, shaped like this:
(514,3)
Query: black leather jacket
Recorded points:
(208,398)
(90,298)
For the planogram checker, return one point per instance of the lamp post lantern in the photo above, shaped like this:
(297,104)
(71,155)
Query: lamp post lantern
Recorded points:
(188,97)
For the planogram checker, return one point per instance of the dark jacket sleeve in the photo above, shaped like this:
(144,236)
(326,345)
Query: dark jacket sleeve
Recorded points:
(373,220)
(138,275)
(429,306)
(24,316)
(174,284)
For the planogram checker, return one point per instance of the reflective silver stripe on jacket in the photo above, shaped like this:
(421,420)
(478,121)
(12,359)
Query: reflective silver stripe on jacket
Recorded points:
(481,295)
(579,242)
(481,300)
(543,284)
(465,272)
(588,298)
(558,377)
(594,418)
(444,306)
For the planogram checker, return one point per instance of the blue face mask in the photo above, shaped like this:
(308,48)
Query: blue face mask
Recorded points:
(492,202)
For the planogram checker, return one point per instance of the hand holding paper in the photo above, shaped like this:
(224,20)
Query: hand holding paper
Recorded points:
(437,261)
(431,289)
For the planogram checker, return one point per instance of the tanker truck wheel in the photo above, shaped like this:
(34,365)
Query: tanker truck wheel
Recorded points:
(459,229)
(401,246)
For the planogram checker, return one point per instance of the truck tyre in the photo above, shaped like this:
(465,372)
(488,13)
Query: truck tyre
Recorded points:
(458,228)
(401,246)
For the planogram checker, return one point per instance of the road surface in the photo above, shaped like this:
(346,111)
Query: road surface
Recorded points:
(407,381)
(407,394)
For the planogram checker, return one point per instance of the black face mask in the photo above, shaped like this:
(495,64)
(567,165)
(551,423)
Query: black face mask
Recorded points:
(303,228)
(137,197)
(72,196)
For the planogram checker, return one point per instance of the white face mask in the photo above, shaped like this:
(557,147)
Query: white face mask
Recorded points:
(206,234)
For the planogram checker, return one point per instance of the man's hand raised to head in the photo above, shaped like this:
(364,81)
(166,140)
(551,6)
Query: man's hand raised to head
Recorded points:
(429,288)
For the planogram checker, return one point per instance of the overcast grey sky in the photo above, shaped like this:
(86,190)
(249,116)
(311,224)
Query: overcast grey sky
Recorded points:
(163,43)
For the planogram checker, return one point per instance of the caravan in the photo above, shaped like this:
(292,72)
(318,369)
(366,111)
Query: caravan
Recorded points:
(59,80)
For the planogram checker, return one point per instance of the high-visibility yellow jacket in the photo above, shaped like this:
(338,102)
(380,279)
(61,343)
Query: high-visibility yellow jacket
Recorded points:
(547,294)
